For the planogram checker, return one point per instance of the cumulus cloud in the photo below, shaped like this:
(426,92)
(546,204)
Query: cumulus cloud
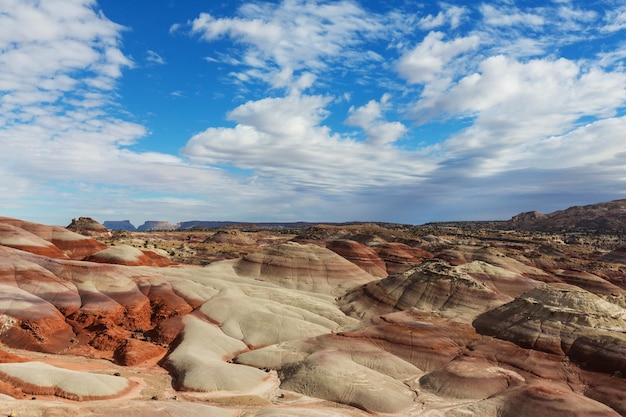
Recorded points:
(294,35)
(370,118)
(283,139)
(452,15)
(510,16)
(428,60)
(61,135)
(515,118)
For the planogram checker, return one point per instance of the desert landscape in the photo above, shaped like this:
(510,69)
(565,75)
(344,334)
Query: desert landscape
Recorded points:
(525,317)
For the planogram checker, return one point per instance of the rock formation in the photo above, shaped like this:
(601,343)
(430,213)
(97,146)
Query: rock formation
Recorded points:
(88,227)
(119,225)
(345,321)
(152,225)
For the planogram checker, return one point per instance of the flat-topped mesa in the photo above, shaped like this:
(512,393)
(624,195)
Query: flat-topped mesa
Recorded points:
(119,225)
(154,225)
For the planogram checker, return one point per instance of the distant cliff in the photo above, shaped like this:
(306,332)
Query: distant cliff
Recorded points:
(600,217)
(119,225)
(151,225)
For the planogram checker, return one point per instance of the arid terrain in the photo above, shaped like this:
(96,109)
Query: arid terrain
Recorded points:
(515,318)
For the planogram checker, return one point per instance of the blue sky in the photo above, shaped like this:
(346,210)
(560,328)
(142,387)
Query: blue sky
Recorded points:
(309,110)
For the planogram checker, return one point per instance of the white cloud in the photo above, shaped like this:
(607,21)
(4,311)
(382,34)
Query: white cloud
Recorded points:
(282,139)
(370,118)
(452,15)
(615,19)
(154,58)
(59,65)
(521,122)
(428,60)
(510,16)
(295,35)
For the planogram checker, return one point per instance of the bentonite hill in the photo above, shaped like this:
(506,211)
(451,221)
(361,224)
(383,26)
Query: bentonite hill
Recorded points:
(519,318)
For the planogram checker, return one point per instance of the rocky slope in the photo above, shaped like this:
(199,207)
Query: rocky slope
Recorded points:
(349,320)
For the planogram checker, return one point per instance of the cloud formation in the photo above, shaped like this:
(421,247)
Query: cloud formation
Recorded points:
(338,112)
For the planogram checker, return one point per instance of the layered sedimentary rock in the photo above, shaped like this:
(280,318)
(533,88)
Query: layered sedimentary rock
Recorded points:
(88,227)
(303,267)
(128,255)
(152,225)
(38,378)
(72,245)
(399,257)
(366,258)
(119,225)
(551,319)
(433,286)
(297,329)
(231,236)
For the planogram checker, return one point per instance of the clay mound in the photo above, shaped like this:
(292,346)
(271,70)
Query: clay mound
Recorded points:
(499,279)
(19,271)
(528,401)
(589,282)
(364,257)
(87,226)
(260,322)
(233,237)
(132,352)
(551,318)
(74,245)
(362,387)
(128,255)
(470,378)
(199,361)
(617,255)
(18,238)
(38,378)
(29,322)
(303,267)
(399,257)
(603,353)
(371,378)
(433,286)
(422,339)
(462,254)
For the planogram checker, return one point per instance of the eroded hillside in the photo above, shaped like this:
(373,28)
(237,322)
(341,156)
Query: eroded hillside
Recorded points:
(328,320)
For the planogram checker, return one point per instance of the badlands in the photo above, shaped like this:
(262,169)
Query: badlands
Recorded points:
(510,319)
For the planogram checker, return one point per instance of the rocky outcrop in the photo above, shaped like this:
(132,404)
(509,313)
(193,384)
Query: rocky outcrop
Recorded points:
(600,217)
(235,237)
(433,286)
(87,226)
(552,318)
